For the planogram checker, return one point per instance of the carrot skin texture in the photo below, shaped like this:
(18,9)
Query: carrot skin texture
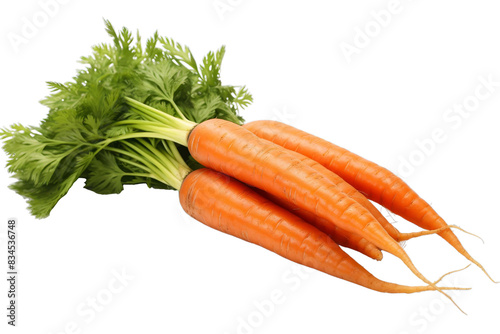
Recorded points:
(232,207)
(375,182)
(356,195)
(353,193)
(237,152)
(338,235)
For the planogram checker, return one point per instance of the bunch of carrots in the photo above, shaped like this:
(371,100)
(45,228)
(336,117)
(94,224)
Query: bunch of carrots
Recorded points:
(153,115)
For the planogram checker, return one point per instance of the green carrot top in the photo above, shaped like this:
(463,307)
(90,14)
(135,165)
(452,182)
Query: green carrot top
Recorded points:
(118,120)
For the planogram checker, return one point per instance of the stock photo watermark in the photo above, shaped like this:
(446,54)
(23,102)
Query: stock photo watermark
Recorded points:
(33,24)
(371,29)
(263,309)
(282,114)
(224,7)
(422,319)
(12,274)
(88,310)
(453,118)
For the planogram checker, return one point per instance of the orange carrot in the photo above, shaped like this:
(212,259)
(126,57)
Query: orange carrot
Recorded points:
(340,236)
(230,206)
(375,182)
(235,151)
(352,192)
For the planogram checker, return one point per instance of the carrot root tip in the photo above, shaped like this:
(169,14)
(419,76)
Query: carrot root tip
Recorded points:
(412,267)
(449,297)
(450,272)
(410,235)
(461,229)
(471,259)
(454,288)
(484,270)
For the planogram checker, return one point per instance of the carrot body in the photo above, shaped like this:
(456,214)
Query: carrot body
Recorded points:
(375,182)
(356,195)
(232,207)
(235,151)
(338,235)
(352,192)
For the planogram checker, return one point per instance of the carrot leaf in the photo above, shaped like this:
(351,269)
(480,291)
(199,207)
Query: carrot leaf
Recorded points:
(115,122)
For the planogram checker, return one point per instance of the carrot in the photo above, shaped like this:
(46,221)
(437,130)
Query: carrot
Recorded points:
(352,192)
(375,182)
(340,236)
(233,150)
(230,206)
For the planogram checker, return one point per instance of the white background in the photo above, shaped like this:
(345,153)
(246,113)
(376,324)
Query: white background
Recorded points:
(182,277)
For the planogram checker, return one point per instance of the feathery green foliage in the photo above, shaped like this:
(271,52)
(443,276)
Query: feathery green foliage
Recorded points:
(116,121)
